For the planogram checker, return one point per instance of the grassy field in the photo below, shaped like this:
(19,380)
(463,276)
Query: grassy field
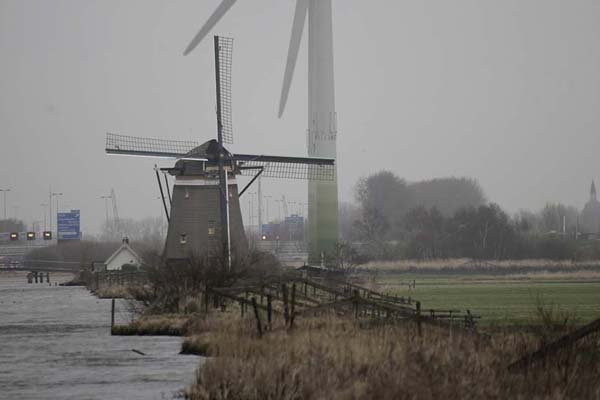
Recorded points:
(501,300)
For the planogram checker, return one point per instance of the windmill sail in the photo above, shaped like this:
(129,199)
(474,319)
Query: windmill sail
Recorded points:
(320,169)
(148,147)
(223,52)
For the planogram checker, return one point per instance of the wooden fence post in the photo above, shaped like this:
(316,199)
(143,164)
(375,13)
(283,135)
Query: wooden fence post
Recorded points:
(356,300)
(552,348)
(293,306)
(269,310)
(206,300)
(286,310)
(258,324)
(419,318)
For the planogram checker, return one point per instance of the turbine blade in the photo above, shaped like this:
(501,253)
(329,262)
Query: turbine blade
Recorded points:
(209,24)
(295,39)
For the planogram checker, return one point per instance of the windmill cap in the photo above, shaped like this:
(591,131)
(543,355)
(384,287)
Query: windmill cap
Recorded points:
(208,150)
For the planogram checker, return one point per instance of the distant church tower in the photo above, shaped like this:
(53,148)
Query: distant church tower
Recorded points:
(590,216)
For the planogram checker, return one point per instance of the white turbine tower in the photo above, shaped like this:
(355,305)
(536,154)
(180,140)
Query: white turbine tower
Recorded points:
(322,118)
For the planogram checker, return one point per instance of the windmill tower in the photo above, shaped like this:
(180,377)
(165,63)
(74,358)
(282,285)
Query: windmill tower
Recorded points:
(322,117)
(205,215)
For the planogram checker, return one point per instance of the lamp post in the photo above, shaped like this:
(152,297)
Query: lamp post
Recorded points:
(55,194)
(267,207)
(44,205)
(4,191)
(106,207)
(279,208)
(251,208)
(303,206)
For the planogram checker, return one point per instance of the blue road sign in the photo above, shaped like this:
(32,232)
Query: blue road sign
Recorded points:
(68,225)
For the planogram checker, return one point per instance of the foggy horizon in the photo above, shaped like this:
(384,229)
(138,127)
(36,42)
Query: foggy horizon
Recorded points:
(505,93)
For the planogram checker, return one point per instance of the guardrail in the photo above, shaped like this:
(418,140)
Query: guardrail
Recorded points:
(104,279)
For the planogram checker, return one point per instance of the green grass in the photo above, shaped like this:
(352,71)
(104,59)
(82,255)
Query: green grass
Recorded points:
(500,300)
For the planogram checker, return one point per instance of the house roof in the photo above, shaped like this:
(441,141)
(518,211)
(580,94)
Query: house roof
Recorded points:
(124,246)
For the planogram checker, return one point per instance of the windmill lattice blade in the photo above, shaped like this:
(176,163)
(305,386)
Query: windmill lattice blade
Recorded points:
(139,146)
(224,77)
(295,39)
(321,169)
(291,170)
(209,24)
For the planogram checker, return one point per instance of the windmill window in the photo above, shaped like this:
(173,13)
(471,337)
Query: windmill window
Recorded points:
(183,238)
(211,231)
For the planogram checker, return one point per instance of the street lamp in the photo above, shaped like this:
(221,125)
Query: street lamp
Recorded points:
(44,205)
(251,208)
(4,195)
(51,217)
(279,208)
(267,206)
(106,207)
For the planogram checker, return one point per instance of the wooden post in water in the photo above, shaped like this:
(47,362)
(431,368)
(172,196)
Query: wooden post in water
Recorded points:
(35,276)
(47,277)
(258,324)
(112,314)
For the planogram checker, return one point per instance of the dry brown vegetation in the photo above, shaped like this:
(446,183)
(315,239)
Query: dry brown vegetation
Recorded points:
(164,324)
(466,264)
(334,358)
(109,292)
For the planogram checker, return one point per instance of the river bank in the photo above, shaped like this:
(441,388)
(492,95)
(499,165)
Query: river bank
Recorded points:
(56,344)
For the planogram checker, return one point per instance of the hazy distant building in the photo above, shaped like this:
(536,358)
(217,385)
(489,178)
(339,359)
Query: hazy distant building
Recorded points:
(590,216)
(124,255)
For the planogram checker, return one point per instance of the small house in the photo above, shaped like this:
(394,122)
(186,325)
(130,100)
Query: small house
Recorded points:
(124,255)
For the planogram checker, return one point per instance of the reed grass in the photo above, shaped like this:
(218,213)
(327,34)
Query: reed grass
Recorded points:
(333,358)
(110,292)
(157,325)
(477,266)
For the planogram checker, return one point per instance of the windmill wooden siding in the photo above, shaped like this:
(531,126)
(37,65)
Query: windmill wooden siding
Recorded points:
(195,213)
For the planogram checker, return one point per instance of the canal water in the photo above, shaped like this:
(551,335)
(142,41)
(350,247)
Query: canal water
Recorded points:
(55,343)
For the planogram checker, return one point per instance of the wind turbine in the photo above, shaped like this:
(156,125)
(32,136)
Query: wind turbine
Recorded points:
(322,118)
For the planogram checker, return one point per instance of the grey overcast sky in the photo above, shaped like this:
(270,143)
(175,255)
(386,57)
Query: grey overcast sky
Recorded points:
(507,92)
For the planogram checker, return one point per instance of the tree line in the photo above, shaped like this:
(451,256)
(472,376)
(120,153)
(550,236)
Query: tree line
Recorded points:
(451,217)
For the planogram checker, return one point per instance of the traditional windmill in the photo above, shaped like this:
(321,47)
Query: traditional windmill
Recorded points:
(322,117)
(205,212)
